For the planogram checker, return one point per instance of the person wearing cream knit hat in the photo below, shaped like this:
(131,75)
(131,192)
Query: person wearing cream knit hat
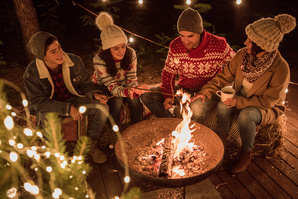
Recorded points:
(260,77)
(115,70)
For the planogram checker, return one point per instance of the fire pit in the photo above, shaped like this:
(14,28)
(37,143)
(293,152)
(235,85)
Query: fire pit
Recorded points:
(142,138)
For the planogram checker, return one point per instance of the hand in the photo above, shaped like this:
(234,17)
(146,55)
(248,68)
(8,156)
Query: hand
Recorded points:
(101,98)
(140,92)
(75,113)
(130,92)
(168,103)
(231,102)
(203,97)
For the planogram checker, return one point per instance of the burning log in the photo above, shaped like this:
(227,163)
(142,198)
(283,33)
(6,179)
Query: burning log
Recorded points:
(165,169)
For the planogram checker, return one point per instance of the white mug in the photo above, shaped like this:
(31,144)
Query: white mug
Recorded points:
(225,93)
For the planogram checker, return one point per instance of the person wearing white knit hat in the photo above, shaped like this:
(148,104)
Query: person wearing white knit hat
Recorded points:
(115,70)
(260,76)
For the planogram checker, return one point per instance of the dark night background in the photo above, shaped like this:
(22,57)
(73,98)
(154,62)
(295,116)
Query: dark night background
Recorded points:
(154,19)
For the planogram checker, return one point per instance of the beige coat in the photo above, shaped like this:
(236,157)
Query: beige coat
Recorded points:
(267,93)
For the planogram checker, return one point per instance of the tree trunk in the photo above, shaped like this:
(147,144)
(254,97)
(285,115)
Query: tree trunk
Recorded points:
(28,20)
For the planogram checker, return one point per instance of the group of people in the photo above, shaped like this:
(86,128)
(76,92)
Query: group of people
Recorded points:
(58,82)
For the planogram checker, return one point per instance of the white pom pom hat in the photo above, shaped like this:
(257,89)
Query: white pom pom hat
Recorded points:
(267,33)
(111,35)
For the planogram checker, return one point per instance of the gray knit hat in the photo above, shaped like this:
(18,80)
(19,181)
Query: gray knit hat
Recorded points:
(111,35)
(37,42)
(267,33)
(190,20)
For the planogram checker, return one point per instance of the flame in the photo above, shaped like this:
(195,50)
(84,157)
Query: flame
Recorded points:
(183,131)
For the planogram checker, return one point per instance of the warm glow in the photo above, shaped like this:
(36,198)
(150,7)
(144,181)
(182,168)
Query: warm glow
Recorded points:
(130,39)
(238,2)
(127,179)
(8,122)
(28,132)
(13,156)
(115,128)
(188,2)
(82,109)
(140,1)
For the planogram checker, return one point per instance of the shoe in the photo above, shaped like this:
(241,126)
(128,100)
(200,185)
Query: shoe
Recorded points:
(97,155)
(243,162)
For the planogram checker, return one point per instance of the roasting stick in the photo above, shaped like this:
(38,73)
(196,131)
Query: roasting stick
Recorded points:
(152,91)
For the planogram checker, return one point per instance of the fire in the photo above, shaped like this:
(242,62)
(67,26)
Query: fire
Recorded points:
(182,133)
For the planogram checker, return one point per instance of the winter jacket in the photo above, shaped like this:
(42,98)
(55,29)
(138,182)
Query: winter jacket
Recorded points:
(40,87)
(267,93)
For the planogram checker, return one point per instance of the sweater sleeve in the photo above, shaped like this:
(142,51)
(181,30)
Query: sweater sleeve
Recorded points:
(168,74)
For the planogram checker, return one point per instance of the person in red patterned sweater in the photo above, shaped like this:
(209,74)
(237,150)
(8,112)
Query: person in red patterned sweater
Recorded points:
(196,56)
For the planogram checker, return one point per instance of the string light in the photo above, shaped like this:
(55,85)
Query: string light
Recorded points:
(49,169)
(8,122)
(115,128)
(8,107)
(188,2)
(28,132)
(13,156)
(11,142)
(82,109)
(25,102)
(131,39)
(141,2)
(12,192)
(127,179)
(238,2)
(57,192)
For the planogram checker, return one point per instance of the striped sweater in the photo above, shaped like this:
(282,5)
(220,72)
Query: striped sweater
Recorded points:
(116,85)
(197,67)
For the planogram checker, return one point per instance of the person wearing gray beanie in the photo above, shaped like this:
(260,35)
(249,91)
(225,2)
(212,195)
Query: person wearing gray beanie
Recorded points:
(197,56)
(115,71)
(260,77)
(59,82)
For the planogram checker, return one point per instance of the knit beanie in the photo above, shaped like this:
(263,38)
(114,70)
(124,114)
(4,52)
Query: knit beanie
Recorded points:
(267,33)
(190,20)
(37,42)
(111,35)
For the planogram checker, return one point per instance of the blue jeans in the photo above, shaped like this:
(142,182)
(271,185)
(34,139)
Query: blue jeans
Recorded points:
(248,119)
(154,102)
(97,118)
(135,108)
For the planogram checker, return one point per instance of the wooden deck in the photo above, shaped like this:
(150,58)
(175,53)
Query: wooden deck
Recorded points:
(265,177)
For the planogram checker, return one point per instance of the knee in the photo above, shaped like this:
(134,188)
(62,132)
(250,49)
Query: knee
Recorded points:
(145,97)
(246,116)
(221,108)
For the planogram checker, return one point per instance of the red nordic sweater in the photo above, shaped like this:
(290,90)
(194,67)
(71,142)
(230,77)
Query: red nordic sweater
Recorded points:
(197,67)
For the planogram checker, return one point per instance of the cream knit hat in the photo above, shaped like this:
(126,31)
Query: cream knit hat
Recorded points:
(111,35)
(267,33)
(190,20)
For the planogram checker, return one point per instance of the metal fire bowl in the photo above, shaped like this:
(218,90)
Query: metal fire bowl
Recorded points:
(140,134)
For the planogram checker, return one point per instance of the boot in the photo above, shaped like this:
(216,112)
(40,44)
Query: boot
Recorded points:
(241,165)
(97,155)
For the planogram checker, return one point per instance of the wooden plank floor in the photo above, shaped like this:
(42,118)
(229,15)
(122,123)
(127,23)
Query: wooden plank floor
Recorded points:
(265,177)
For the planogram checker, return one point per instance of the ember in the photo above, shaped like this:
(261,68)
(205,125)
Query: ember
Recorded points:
(171,148)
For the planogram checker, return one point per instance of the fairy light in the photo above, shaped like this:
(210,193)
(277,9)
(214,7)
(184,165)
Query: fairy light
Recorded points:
(116,197)
(82,109)
(87,196)
(76,188)
(28,132)
(188,2)
(8,122)
(34,148)
(13,156)
(30,153)
(238,2)
(8,107)
(20,146)
(115,128)
(39,134)
(37,156)
(12,192)
(25,102)
(127,179)
(11,142)
(48,154)
(57,193)
(141,2)
(13,114)
(287,90)
(49,169)
(61,157)
(84,172)
(57,155)
(33,189)
(131,39)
